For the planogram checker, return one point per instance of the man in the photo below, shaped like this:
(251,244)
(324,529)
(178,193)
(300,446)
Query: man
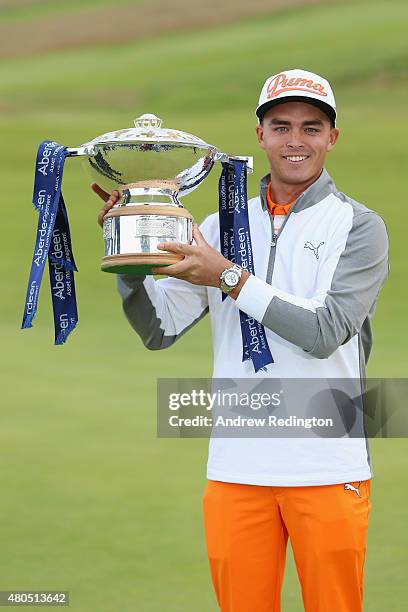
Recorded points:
(320,262)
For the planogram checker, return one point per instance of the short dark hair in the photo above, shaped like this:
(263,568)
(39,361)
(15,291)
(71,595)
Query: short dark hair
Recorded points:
(325,108)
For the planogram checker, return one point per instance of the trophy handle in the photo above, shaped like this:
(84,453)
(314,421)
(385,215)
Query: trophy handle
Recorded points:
(86,151)
(224,157)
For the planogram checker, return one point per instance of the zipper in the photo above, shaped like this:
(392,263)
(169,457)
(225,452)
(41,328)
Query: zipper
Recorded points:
(274,242)
(271,260)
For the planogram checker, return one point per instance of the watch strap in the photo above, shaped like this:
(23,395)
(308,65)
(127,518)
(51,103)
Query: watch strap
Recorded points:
(228,288)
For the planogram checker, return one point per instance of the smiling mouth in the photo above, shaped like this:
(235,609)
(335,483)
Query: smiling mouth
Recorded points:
(296,159)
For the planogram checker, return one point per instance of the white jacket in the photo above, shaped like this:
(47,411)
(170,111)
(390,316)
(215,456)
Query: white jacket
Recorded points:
(315,293)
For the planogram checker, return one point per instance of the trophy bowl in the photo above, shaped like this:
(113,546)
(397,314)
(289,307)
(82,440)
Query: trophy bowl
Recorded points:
(151,167)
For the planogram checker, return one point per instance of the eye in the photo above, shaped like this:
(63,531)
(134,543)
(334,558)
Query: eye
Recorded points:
(280,129)
(311,130)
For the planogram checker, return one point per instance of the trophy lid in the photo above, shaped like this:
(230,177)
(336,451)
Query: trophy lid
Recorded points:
(149,152)
(148,129)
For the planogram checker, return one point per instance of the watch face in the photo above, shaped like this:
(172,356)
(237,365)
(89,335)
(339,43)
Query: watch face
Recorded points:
(231,278)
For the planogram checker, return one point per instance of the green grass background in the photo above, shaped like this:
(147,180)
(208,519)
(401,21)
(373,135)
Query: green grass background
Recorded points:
(32,10)
(91,500)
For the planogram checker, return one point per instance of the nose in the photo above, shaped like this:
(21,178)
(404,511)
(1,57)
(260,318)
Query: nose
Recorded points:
(295,139)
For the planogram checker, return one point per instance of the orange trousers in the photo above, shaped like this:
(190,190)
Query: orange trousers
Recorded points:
(247,529)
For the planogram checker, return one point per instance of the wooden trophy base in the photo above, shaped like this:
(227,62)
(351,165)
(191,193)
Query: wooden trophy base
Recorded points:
(138,264)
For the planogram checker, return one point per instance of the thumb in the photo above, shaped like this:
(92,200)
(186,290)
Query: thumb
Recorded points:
(100,192)
(198,237)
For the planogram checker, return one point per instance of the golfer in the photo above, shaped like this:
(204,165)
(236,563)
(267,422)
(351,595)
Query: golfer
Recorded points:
(321,259)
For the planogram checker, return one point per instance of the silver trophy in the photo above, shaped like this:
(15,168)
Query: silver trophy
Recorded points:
(151,167)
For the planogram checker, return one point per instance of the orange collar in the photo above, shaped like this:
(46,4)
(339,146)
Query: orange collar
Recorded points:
(277,209)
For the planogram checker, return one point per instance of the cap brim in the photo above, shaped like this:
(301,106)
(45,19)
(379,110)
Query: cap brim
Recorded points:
(326,108)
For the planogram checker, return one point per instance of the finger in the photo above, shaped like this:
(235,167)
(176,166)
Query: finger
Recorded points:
(100,192)
(198,237)
(103,212)
(101,216)
(172,270)
(158,270)
(109,204)
(115,195)
(176,247)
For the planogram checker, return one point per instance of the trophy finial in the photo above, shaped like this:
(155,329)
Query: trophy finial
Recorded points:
(148,121)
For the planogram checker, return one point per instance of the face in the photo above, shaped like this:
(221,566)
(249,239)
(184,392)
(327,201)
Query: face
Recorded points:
(296,138)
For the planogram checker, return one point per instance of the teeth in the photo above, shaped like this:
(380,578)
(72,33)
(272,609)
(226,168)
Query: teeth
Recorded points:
(296,158)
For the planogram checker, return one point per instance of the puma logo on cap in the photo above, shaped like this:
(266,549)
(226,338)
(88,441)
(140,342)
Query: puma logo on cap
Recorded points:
(281,83)
(297,85)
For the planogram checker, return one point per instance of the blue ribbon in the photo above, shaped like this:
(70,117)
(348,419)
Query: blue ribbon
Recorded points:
(53,240)
(235,244)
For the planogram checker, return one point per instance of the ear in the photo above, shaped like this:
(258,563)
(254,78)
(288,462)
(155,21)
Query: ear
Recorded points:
(259,135)
(334,134)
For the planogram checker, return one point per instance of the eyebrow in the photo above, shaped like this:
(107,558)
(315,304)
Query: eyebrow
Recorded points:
(276,121)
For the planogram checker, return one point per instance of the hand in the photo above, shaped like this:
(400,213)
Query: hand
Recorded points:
(202,265)
(109,199)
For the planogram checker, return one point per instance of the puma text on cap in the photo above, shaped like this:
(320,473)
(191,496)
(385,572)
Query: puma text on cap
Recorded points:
(297,86)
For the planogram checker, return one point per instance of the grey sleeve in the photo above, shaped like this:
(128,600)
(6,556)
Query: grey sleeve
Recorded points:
(360,273)
(161,311)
